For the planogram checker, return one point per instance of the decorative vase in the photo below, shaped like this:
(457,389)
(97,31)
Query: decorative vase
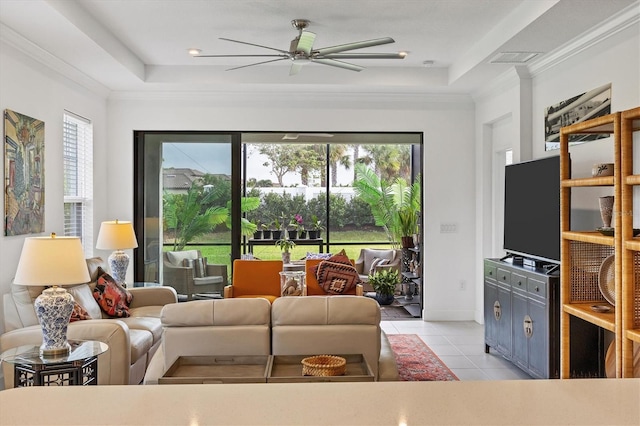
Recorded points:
(606,210)
(286,257)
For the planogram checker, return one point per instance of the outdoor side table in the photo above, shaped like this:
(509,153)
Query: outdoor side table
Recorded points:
(77,368)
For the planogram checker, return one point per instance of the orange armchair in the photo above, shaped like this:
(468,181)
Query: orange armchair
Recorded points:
(255,278)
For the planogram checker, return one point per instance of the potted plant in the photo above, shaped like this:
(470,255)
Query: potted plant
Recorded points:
(276,230)
(257,234)
(266,232)
(285,245)
(384,283)
(316,229)
(296,227)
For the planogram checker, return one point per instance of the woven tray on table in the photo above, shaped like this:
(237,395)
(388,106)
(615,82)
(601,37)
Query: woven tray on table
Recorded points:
(324,365)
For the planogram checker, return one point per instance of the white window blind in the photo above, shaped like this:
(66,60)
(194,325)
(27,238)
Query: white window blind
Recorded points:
(78,179)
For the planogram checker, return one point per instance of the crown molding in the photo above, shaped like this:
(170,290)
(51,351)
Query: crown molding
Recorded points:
(13,39)
(510,78)
(616,24)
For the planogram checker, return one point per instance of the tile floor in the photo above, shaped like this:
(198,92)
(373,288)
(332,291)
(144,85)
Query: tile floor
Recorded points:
(460,345)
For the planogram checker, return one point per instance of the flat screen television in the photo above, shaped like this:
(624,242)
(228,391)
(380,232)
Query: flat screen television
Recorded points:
(532,209)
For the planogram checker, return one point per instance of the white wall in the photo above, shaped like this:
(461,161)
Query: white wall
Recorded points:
(30,88)
(448,185)
(613,59)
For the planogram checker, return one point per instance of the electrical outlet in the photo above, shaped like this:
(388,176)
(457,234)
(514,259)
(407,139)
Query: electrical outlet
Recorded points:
(448,228)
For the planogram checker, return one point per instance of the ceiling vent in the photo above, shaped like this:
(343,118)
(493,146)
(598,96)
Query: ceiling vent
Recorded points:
(513,57)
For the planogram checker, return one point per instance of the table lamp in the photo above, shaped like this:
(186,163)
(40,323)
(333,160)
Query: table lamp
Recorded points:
(117,235)
(53,261)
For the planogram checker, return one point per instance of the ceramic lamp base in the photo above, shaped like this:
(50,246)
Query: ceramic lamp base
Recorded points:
(118,263)
(53,309)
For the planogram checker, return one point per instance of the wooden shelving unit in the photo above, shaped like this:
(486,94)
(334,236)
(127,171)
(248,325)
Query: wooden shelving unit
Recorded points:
(583,251)
(630,289)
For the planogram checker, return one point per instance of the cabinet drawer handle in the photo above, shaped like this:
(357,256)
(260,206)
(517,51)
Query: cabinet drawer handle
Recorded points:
(497,310)
(520,283)
(490,272)
(528,326)
(537,288)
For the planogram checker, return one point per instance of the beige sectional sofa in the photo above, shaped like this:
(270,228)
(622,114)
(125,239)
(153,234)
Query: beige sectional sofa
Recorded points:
(132,341)
(289,326)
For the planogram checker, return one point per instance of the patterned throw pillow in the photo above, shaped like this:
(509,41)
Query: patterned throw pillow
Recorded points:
(114,300)
(337,275)
(377,261)
(79,313)
(318,255)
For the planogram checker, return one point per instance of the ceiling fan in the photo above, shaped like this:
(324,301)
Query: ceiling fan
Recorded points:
(301,51)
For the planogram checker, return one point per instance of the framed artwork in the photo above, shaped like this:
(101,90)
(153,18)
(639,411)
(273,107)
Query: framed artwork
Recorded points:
(23,174)
(594,103)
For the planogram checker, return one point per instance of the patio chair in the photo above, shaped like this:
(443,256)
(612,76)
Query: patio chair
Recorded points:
(189,274)
(369,263)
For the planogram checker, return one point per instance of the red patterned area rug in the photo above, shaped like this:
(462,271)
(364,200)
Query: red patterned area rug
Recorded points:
(416,362)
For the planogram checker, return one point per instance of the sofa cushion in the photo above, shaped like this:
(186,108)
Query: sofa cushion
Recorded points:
(208,280)
(83,295)
(199,266)
(113,299)
(177,258)
(152,325)
(150,311)
(141,343)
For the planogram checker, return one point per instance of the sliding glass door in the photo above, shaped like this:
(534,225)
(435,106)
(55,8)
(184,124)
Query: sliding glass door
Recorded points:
(184,197)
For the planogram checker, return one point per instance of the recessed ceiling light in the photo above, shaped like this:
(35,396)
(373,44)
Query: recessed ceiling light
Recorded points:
(194,52)
(403,54)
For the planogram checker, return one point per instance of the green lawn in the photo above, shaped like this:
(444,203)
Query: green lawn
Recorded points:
(221,255)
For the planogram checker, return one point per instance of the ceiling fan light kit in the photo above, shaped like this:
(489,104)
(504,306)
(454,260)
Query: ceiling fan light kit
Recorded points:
(301,51)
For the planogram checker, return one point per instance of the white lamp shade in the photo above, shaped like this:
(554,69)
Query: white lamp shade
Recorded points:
(116,235)
(52,261)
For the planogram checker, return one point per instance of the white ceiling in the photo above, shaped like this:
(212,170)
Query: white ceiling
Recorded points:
(142,44)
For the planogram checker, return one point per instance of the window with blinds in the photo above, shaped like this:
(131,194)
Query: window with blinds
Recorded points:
(78,179)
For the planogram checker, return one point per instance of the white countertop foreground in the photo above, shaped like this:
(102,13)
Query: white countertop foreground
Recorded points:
(542,402)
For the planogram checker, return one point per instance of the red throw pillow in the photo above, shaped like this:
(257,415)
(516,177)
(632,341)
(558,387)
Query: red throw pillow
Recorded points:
(114,300)
(337,275)
(78,313)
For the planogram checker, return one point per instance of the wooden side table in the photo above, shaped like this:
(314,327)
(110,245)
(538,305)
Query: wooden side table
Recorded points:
(77,368)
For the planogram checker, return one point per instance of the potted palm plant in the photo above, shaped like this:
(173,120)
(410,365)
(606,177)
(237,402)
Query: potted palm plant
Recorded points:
(384,283)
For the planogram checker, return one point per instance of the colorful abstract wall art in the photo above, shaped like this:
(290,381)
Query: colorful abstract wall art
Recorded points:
(23,174)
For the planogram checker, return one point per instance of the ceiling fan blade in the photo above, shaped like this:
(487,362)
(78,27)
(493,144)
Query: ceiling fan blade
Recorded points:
(257,63)
(352,46)
(256,45)
(339,64)
(305,42)
(364,56)
(242,56)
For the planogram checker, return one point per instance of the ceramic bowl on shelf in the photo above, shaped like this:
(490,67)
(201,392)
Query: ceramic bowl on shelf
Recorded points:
(610,231)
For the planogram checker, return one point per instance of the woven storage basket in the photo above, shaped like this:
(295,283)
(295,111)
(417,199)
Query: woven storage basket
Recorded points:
(324,365)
